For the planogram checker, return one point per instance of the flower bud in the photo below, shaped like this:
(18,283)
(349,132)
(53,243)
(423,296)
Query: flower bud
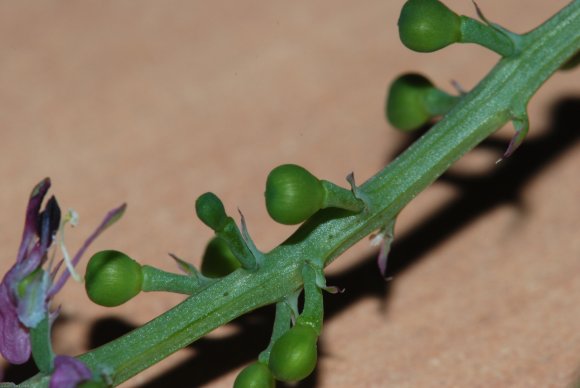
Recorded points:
(293,194)
(218,260)
(112,278)
(428,25)
(406,107)
(256,375)
(294,355)
(210,210)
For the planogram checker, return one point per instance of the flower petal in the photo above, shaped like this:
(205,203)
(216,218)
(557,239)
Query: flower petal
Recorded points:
(68,372)
(31,221)
(33,306)
(14,340)
(111,217)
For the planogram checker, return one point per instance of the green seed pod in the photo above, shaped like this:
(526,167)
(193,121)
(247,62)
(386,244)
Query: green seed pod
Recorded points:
(406,109)
(294,355)
(218,260)
(256,375)
(428,25)
(210,210)
(293,194)
(112,278)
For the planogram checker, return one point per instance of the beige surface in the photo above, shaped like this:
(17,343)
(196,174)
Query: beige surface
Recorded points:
(154,103)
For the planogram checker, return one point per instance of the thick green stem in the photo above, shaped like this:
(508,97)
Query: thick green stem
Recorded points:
(330,232)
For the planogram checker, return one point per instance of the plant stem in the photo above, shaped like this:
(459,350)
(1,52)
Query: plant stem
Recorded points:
(506,89)
(155,279)
(473,31)
(340,197)
(281,326)
(42,346)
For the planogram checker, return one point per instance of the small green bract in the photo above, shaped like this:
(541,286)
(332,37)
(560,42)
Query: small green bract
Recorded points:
(293,194)
(294,355)
(428,25)
(112,278)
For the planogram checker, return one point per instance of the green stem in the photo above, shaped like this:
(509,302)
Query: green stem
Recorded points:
(155,279)
(339,197)
(438,103)
(233,237)
(42,346)
(473,31)
(281,326)
(330,232)
(313,311)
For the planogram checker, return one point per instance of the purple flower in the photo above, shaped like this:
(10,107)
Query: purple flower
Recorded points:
(68,372)
(27,288)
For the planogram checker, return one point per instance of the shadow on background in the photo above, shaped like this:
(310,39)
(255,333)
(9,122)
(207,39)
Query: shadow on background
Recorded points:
(212,357)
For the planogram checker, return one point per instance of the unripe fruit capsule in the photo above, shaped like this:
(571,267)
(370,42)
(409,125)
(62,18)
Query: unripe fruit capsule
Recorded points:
(428,25)
(112,278)
(218,260)
(406,108)
(293,194)
(256,375)
(294,355)
(210,210)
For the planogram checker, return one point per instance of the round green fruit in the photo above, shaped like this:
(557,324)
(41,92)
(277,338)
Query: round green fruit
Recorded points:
(256,375)
(428,25)
(218,260)
(293,194)
(294,355)
(406,108)
(112,278)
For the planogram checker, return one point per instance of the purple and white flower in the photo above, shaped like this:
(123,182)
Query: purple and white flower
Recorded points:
(29,286)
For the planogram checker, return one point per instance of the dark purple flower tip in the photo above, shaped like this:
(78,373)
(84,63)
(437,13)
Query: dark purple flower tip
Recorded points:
(48,222)
(32,216)
(68,372)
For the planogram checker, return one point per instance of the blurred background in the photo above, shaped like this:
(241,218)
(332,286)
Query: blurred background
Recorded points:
(154,103)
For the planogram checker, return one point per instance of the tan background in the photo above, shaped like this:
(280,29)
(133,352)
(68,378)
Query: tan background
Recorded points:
(154,103)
